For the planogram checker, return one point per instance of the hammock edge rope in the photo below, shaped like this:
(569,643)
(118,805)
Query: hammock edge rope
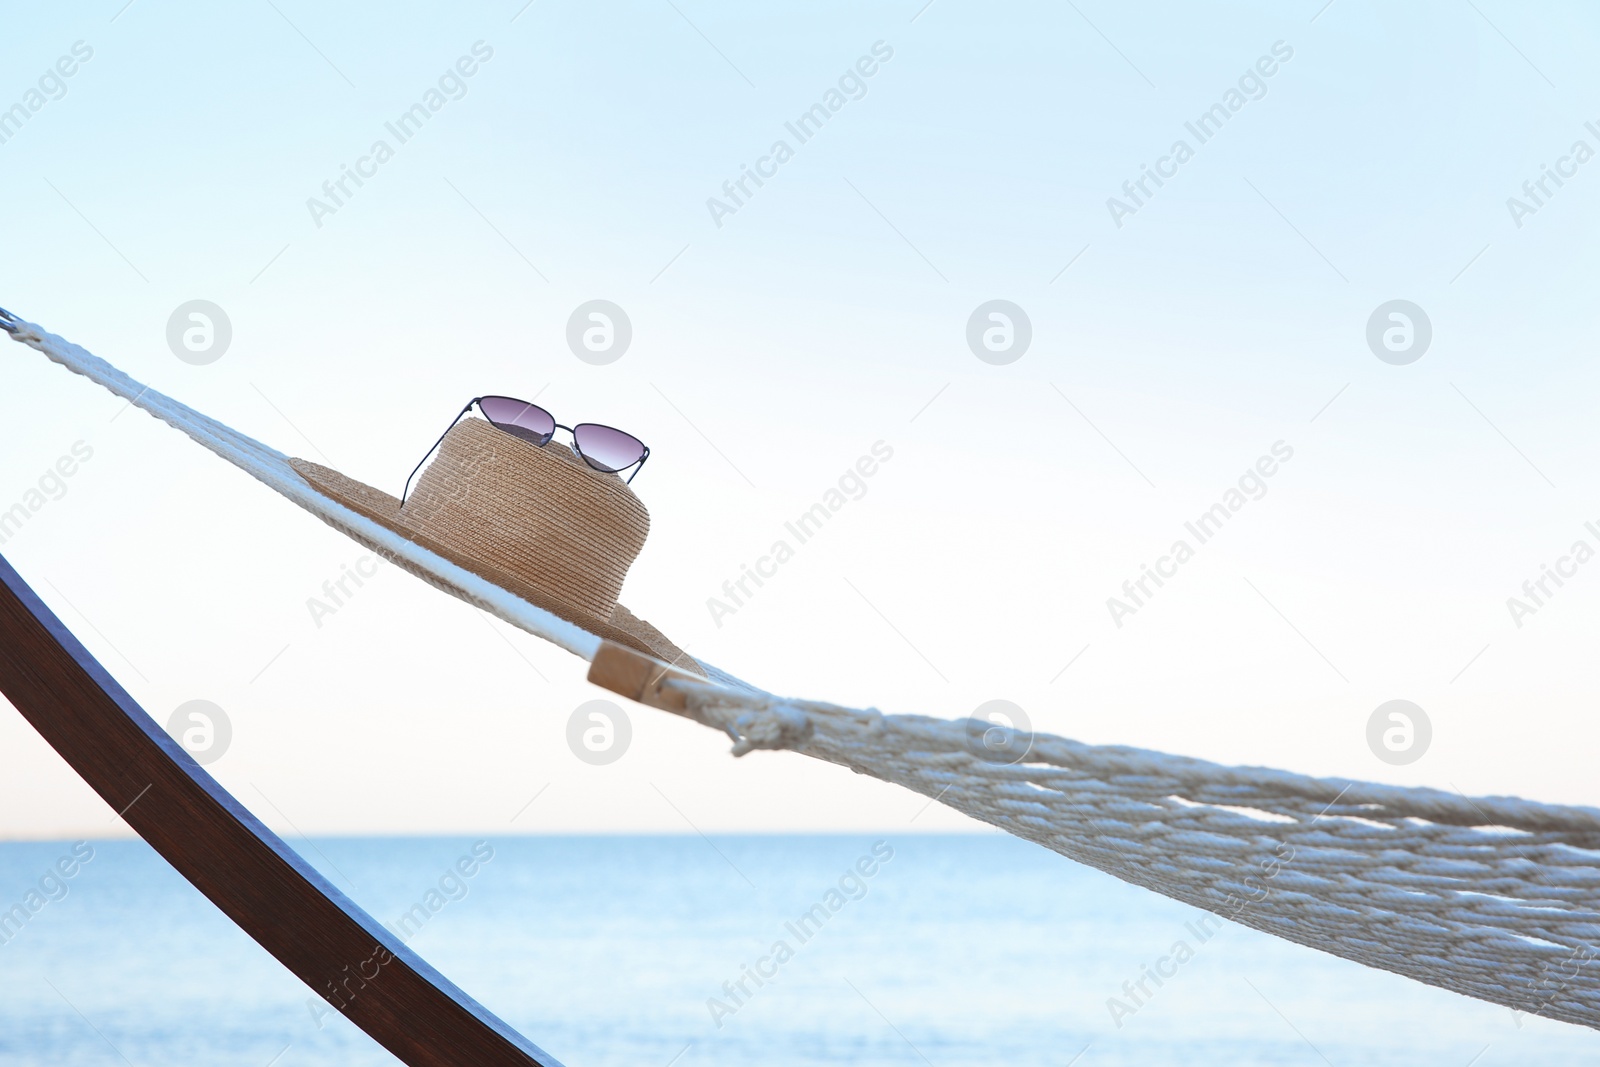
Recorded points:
(1497,898)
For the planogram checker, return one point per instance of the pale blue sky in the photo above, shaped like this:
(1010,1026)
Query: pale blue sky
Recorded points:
(772,351)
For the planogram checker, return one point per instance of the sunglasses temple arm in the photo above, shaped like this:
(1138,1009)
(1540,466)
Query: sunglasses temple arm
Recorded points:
(642,461)
(436,444)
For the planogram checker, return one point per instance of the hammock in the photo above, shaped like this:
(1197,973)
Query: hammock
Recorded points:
(1493,897)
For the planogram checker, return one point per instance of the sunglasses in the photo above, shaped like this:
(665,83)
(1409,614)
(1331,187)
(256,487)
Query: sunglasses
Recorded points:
(604,448)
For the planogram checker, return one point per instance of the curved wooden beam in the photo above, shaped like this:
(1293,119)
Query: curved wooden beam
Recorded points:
(341,952)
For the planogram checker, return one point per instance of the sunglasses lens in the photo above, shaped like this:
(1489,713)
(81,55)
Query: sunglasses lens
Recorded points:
(519,418)
(607,449)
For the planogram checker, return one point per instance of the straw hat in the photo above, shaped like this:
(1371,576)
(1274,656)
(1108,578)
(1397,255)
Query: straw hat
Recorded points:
(538,522)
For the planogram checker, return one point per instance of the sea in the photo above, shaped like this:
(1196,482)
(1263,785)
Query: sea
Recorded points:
(666,951)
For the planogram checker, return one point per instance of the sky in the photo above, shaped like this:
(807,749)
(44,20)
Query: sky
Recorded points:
(1183,339)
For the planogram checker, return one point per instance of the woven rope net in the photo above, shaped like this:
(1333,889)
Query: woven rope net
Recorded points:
(1493,897)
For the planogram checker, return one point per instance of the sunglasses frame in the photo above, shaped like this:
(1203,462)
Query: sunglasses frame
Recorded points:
(477,401)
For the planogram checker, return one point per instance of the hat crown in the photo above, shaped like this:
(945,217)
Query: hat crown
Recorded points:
(542,513)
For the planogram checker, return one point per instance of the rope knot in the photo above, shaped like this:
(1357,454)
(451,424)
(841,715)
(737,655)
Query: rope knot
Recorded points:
(18,329)
(781,726)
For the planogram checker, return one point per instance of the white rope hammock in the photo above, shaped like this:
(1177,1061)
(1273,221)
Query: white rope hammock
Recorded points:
(1493,897)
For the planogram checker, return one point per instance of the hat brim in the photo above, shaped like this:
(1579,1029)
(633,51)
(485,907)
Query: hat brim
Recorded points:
(622,627)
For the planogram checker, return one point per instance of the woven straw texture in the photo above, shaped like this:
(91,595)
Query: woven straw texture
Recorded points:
(503,567)
(540,513)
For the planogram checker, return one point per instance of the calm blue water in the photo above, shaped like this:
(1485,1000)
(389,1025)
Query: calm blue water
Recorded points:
(605,950)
